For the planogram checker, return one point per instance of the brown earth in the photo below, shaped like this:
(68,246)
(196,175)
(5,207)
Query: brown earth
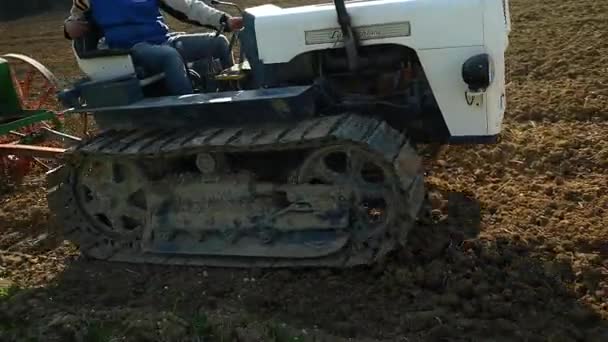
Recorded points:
(518,250)
(10,10)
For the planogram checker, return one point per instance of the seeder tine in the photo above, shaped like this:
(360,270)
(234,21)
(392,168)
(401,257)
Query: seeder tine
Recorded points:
(42,152)
(63,137)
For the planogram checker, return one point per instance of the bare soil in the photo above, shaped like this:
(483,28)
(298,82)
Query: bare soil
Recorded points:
(517,251)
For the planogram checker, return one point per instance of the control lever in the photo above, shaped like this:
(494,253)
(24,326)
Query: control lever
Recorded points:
(225,3)
(349,36)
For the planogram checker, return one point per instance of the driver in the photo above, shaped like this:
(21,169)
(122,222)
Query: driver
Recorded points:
(137,25)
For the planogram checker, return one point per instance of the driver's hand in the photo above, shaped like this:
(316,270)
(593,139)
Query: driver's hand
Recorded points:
(235,23)
(76,28)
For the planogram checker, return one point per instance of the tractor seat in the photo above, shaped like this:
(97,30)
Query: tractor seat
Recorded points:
(146,78)
(109,64)
(100,53)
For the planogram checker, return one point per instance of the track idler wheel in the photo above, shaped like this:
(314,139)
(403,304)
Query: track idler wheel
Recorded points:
(375,193)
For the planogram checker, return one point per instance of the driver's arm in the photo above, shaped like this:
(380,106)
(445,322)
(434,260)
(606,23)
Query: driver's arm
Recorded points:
(78,16)
(194,12)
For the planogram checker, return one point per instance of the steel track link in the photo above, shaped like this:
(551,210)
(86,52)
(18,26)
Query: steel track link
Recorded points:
(373,135)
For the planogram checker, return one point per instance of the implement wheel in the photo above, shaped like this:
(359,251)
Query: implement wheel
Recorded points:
(36,88)
(36,85)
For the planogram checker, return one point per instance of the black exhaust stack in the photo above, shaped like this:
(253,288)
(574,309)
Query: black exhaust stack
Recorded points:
(351,41)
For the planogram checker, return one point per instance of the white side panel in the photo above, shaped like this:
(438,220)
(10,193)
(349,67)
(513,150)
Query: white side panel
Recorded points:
(444,33)
(496,33)
(496,99)
(434,24)
(443,68)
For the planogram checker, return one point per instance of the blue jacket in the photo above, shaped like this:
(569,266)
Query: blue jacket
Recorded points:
(127,22)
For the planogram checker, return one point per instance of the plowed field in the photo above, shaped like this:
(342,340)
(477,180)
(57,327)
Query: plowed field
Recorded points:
(518,250)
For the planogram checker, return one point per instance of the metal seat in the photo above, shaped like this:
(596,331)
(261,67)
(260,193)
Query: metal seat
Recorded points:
(107,64)
(99,53)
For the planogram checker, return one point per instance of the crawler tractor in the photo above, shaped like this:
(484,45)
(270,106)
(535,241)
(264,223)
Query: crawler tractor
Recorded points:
(302,154)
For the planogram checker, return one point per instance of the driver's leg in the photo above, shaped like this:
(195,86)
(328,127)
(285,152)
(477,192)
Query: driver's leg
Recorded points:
(194,47)
(162,58)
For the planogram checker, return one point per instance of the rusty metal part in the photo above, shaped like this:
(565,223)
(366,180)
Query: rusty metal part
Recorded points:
(14,168)
(133,208)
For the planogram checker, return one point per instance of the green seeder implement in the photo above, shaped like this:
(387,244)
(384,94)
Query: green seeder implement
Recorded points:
(30,122)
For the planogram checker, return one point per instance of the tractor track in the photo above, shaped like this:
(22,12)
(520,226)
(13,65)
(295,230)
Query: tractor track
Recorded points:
(341,130)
